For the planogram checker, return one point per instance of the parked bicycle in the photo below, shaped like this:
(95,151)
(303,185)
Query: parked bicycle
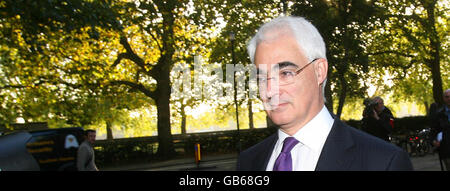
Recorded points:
(418,143)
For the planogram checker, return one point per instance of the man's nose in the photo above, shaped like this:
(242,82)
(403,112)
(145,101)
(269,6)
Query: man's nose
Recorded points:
(272,88)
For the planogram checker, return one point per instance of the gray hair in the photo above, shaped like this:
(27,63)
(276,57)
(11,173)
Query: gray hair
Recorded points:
(307,36)
(376,98)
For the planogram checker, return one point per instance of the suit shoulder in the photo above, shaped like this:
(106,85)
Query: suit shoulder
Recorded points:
(381,151)
(367,141)
(379,154)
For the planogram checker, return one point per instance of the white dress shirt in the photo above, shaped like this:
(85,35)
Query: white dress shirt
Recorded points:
(311,137)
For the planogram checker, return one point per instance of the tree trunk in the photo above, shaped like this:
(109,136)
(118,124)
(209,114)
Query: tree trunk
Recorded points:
(163,67)
(435,46)
(165,148)
(183,119)
(342,96)
(437,82)
(109,133)
(250,114)
(427,108)
(160,72)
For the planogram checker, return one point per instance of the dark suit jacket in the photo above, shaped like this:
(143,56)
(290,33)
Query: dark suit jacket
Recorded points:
(440,123)
(346,149)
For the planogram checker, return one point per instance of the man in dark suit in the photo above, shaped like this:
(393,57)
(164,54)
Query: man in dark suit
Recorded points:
(291,63)
(440,129)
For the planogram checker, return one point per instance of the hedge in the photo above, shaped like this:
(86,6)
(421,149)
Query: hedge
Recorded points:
(128,150)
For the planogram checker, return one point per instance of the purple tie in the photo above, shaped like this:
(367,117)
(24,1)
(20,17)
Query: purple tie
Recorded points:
(284,160)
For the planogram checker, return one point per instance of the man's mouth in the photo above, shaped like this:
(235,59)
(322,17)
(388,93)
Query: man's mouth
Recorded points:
(275,106)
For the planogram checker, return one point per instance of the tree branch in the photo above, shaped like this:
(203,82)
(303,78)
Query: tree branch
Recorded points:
(391,52)
(119,58)
(13,86)
(413,16)
(156,40)
(137,86)
(404,68)
(131,55)
(45,79)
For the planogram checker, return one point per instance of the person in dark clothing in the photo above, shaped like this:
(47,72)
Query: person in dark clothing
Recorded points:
(377,118)
(85,154)
(440,129)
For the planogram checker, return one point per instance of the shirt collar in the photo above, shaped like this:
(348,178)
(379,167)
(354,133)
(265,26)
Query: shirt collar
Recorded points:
(315,132)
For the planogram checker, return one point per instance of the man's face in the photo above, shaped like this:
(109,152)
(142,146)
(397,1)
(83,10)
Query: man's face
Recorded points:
(380,105)
(296,103)
(91,137)
(447,98)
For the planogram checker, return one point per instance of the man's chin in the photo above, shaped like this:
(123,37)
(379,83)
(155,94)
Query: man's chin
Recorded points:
(280,119)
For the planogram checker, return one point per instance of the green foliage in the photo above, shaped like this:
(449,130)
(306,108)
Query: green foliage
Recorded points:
(344,26)
(55,70)
(412,47)
(37,18)
(92,63)
(370,43)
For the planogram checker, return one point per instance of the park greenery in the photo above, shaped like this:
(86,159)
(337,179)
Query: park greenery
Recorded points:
(107,64)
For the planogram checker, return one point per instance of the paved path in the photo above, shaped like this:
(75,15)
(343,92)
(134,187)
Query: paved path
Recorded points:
(227,162)
(429,162)
(215,162)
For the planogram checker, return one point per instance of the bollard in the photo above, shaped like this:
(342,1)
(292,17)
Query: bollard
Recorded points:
(198,156)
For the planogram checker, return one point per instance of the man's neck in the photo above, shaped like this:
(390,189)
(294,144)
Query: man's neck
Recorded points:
(291,129)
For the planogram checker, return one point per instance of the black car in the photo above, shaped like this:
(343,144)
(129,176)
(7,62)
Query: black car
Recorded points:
(46,150)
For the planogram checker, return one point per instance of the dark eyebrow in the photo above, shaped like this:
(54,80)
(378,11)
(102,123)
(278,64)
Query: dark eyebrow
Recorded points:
(278,66)
(284,64)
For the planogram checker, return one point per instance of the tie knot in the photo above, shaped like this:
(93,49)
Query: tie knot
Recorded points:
(288,144)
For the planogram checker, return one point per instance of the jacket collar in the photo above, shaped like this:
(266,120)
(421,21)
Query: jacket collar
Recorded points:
(337,153)
(261,165)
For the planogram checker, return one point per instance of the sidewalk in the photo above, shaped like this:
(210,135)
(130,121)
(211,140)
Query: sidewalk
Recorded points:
(429,162)
(168,163)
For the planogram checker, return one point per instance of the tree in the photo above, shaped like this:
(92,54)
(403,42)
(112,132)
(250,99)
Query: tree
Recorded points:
(242,18)
(165,28)
(342,25)
(419,30)
(69,48)
(53,55)
(35,19)
(32,37)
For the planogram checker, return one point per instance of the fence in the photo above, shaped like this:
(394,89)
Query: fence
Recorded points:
(144,148)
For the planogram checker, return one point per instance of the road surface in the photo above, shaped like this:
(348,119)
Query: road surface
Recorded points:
(429,162)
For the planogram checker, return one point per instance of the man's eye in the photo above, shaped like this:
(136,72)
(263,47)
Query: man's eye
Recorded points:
(287,73)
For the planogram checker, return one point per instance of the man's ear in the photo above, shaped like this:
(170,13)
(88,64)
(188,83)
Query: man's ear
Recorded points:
(321,69)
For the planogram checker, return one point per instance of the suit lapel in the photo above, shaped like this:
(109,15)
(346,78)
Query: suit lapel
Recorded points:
(264,155)
(338,150)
